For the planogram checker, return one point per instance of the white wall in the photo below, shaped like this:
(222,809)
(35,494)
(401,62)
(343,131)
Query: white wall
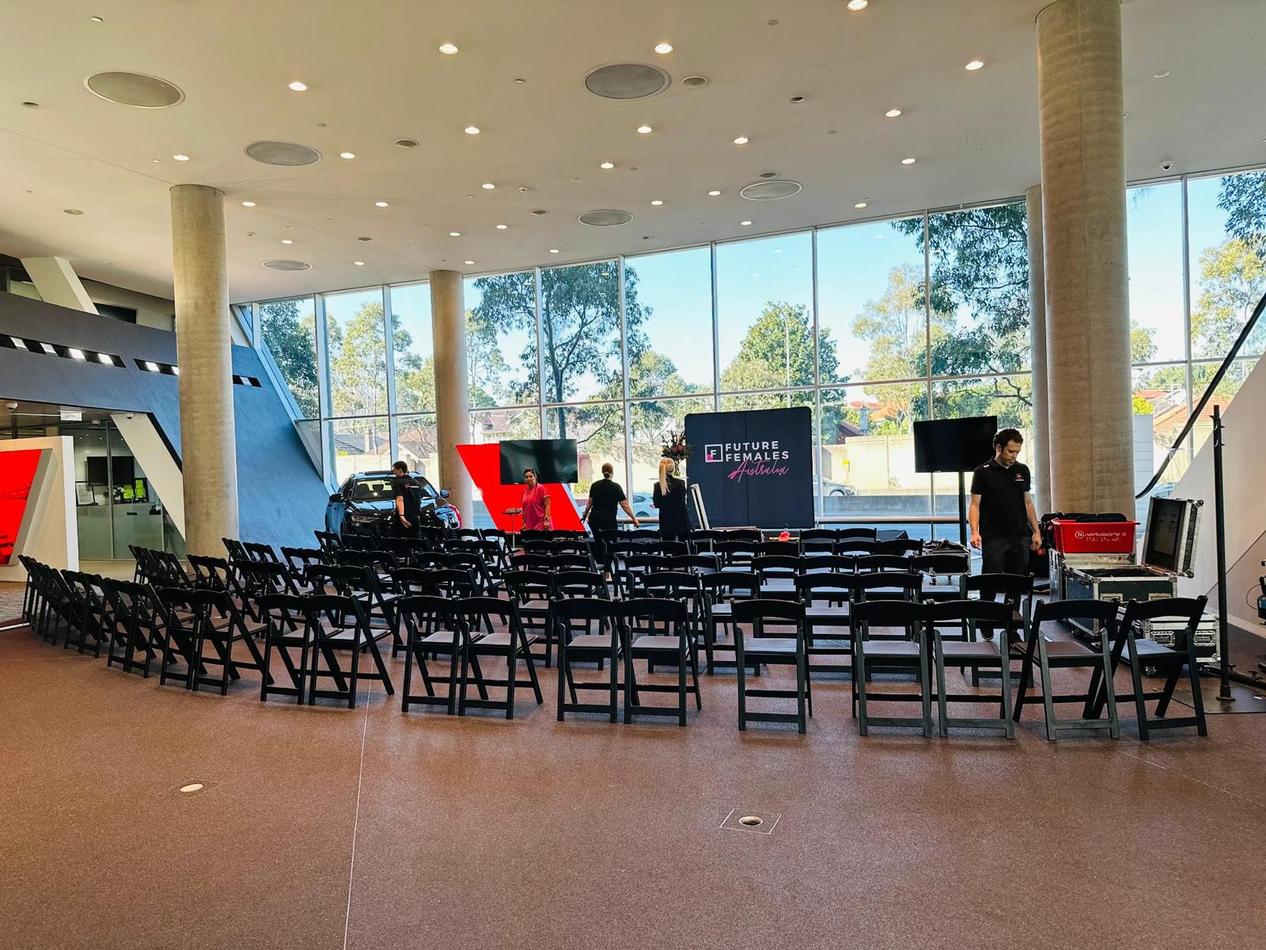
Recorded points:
(160,468)
(156,312)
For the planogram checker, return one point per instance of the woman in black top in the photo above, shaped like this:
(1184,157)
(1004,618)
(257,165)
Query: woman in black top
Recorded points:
(605,496)
(670,498)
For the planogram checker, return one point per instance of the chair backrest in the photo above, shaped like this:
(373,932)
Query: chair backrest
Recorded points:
(525,585)
(237,551)
(210,573)
(694,562)
(730,585)
(773,565)
(735,550)
(277,609)
(831,563)
(1188,610)
(989,612)
(886,585)
(665,584)
(1093,614)
(652,615)
(580,584)
(827,585)
(865,563)
(943,563)
(344,578)
(327,541)
(336,609)
(856,534)
(483,609)
(200,602)
(426,607)
(587,608)
(856,546)
(261,552)
(300,559)
(908,614)
(761,611)
(775,548)
(259,578)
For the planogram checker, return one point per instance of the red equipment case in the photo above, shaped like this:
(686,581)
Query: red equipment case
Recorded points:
(1094,537)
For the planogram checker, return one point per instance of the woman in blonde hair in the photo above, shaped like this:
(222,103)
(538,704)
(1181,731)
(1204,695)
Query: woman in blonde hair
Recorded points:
(670,498)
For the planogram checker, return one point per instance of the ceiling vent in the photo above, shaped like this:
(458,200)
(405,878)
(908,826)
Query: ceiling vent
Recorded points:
(407,143)
(286,265)
(283,153)
(605,218)
(134,89)
(771,190)
(627,81)
(694,82)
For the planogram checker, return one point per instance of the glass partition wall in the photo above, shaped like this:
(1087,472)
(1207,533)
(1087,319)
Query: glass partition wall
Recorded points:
(873,325)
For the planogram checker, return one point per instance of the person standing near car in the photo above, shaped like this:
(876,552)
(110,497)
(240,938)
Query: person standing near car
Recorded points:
(605,496)
(408,500)
(670,498)
(535,504)
(1003,520)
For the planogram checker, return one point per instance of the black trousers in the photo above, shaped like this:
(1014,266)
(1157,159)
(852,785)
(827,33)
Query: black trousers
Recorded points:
(601,533)
(1005,555)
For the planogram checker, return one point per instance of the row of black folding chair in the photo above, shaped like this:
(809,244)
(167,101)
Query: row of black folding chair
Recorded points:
(159,568)
(317,627)
(196,620)
(464,630)
(47,603)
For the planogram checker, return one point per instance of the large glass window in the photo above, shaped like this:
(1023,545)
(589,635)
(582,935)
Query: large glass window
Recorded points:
(356,340)
(1158,331)
(866,460)
(413,348)
(288,333)
(979,293)
(765,314)
(871,300)
(419,443)
(360,445)
(651,421)
(580,332)
(501,340)
(668,301)
(598,429)
(1010,398)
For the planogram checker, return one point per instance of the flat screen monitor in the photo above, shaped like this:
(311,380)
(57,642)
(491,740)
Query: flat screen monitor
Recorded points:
(953,445)
(99,468)
(555,460)
(1164,533)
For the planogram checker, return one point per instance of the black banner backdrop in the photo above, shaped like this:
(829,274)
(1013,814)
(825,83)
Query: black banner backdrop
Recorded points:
(753,467)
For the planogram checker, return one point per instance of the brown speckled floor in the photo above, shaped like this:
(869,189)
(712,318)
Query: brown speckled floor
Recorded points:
(329,828)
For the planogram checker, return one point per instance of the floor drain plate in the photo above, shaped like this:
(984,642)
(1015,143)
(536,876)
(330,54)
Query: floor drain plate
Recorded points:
(759,822)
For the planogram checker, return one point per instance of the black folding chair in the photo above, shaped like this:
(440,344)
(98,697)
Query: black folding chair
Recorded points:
(763,648)
(574,623)
(659,630)
(721,590)
(908,651)
(973,654)
(510,643)
(138,621)
(341,623)
(1051,652)
(432,629)
(197,619)
(1132,640)
(287,629)
(825,597)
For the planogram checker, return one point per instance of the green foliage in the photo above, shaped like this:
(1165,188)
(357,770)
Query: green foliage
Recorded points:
(1243,198)
(777,351)
(1142,343)
(1142,407)
(291,341)
(1232,280)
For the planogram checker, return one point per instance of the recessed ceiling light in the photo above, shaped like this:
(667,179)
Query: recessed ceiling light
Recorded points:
(248,204)
(607,165)
(645,129)
(96,19)
(76,354)
(365,239)
(553,250)
(449,49)
(468,262)
(297,86)
(487,186)
(406,143)
(663,48)
(746,224)
(974,65)
(359,263)
(714,192)
(472,130)
(657,202)
(181,158)
(30,104)
(502,227)
(908,161)
(347,156)
(856,5)
(893,113)
(741,140)
(1160,75)
(104,360)
(859,205)
(72,211)
(286,241)
(519,81)
(380,204)
(454,233)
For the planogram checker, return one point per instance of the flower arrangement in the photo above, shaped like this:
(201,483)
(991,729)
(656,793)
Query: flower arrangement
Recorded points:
(676,447)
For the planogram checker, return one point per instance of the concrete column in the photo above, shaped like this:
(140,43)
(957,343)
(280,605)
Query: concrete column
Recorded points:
(452,405)
(1039,437)
(1083,210)
(208,446)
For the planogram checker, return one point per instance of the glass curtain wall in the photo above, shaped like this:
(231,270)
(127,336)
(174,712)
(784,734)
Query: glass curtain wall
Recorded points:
(873,325)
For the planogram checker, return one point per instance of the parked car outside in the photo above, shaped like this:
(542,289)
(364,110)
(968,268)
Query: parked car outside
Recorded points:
(364,503)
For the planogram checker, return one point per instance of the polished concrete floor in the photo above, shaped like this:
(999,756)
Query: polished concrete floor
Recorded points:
(328,828)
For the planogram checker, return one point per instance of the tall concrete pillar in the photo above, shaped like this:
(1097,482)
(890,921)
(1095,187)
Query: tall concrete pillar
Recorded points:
(452,405)
(1040,437)
(1083,211)
(208,446)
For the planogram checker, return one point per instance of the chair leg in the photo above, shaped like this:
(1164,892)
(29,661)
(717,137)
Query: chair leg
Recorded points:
(1197,697)
(681,682)
(1136,677)
(1048,704)
(512,671)
(562,678)
(1008,724)
(859,689)
(741,669)
(802,677)
(942,705)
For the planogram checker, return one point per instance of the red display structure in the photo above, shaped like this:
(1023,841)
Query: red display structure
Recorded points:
(17,478)
(483,462)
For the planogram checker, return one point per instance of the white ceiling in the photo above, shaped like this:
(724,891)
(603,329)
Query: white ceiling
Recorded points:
(375,75)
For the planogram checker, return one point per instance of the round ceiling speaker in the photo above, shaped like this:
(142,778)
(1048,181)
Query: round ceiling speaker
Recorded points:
(694,82)
(605,218)
(134,89)
(771,190)
(286,265)
(627,81)
(283,153)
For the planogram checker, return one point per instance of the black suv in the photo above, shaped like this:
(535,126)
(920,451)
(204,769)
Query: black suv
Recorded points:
(365,503)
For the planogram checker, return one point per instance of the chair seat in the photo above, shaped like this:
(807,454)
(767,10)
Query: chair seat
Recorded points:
(968,649)
(827,613)
(781,646)
(442,638)
(500,641)
(1068,648)
(890,648)
(658,642)
(591,641)
(1152,648)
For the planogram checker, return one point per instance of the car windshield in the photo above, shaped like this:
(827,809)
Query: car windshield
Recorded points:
(378,488)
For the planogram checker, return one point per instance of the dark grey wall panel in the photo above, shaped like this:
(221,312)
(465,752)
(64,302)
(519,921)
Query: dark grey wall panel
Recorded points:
(281,497)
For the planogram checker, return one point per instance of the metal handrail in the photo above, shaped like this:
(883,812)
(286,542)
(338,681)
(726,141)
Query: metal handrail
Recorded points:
(1208,394)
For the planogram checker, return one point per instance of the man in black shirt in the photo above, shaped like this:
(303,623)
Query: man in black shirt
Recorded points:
(1003,520)
(408,498)
(605,496)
